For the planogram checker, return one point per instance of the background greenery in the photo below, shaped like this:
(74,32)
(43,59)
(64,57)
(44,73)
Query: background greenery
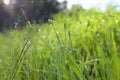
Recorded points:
(22,12)
(76,45)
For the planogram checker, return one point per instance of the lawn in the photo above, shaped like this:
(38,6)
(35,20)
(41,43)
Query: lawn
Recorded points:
(76,45)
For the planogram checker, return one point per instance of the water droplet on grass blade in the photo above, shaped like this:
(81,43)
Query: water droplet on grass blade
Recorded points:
(41,42)
(16,24)
(39,30)
(50,20)
(28,22)
(44,36)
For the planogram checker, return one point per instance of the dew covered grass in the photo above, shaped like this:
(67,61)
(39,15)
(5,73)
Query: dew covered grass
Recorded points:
(77,45)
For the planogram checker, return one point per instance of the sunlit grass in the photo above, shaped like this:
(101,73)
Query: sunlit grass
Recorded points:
(78,45)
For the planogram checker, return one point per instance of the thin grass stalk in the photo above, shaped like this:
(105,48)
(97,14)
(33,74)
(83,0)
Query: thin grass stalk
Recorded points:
(71,44)
(23,51)
(11,63)
(58,38)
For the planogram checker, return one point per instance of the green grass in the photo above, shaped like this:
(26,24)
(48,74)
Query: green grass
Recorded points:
(78,45)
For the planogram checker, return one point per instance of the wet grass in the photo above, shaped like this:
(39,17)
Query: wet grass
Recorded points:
(78,45)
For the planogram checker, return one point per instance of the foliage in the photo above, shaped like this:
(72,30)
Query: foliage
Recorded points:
(78,45)
(23,11)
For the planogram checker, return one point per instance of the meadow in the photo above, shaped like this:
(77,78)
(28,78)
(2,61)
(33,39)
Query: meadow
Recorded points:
(76,45)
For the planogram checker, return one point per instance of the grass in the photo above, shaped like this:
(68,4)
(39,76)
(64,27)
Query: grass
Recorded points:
(78,45)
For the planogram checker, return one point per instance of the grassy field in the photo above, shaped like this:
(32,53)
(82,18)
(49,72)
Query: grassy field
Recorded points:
(77,45)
